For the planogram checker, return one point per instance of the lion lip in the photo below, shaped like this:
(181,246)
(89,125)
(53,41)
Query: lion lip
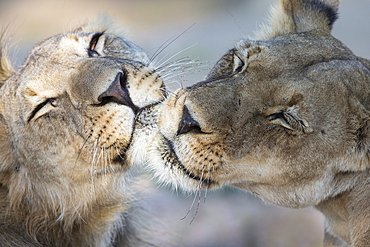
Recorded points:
(177,164)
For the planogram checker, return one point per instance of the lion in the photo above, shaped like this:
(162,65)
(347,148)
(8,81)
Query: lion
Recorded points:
(285,116)
(66,121)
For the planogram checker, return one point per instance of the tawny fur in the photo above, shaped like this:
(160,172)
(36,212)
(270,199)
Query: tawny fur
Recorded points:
(63,146)
(6,69)
(286,117)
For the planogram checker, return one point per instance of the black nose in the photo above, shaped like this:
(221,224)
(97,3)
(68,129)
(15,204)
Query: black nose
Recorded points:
(188,123)
(118,92)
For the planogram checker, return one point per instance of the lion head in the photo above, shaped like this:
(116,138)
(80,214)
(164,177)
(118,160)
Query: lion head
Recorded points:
(285,116)
(66,121)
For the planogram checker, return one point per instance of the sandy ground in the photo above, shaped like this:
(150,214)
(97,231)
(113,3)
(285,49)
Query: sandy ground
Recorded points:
(227,217)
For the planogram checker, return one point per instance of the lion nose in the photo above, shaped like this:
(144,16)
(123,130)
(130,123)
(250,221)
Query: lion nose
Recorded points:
(118,92)
(188,123)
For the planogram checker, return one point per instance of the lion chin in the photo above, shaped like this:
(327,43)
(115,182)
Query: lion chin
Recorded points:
(66,121)
(284,116)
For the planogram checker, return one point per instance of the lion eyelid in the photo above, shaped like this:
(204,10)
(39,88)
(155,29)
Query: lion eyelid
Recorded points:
(93,42)
(40,106)
(238,64)
(52,101)
(289,120)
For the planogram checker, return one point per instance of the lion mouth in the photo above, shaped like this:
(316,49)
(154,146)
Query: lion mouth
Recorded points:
(121,158)
(172,161)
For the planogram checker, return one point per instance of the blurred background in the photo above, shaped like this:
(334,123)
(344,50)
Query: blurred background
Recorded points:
(226,217)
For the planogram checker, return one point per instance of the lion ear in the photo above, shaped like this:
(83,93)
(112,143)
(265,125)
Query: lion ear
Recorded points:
(6,69)
(365,62)
(295,16)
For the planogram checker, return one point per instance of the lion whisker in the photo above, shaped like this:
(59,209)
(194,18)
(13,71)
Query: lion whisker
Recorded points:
(160,49)
(160,64)
(198,195)
(76,211)
(189,66)
(94,161)
(165,62)
(207,184)
(108,162)
(82,147)
(191,206)
(197,209)
(175,73)
(201,181)
(166,44)
(118,151)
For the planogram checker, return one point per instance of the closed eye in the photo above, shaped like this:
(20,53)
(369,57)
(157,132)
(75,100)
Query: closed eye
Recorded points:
(93,42)
(238,64)
(40,106)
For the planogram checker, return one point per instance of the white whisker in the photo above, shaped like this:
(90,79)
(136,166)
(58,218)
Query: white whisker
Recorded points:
(167,43)
(191,206)
(176,54)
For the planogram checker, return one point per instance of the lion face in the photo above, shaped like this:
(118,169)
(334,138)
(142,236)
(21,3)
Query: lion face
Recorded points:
(284,118)
(67,118)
